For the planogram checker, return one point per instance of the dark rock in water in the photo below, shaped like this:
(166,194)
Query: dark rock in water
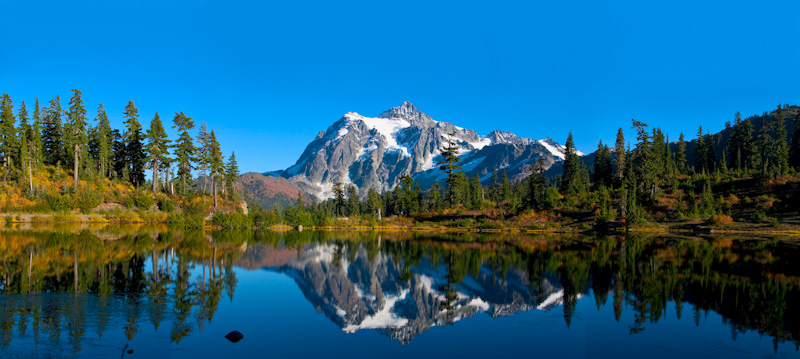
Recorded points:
(130,351)
(234,336)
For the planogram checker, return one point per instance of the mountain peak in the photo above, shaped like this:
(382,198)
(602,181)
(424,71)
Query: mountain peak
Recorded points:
(405,111)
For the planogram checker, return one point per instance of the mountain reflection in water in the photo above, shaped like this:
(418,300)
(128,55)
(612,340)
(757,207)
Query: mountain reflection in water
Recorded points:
(90,289)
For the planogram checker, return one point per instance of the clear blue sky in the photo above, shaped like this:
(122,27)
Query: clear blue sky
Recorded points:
(267,76)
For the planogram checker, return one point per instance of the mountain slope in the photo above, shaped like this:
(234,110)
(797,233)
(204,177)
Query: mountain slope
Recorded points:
(373,152)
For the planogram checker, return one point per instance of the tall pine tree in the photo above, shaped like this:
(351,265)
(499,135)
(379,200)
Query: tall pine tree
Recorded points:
(570,179)
(619,157)
(77,132)
(449,164)
(184,149)
(134,146)
(157,148)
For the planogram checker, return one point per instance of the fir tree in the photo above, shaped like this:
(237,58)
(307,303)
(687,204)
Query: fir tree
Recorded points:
(680,155)
(184,147)
(216,162)
(134,147)
(232,174)
(104,141)
(449,164)
(52,132)
(602,166)
(537,185)
(338,195)
(619,157)
(204,153)
(781,150)
(795,151)
(505,188)
(36,134)
(476,192)
(119,162)
(77,132)
(569,180)
(352,201)
(9,147)
(765,142)
(157,148)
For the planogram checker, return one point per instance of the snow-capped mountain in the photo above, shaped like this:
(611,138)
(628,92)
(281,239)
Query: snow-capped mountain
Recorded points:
(373,152)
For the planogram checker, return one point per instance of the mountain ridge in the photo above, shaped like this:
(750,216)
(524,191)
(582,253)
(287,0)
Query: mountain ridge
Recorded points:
(374,152)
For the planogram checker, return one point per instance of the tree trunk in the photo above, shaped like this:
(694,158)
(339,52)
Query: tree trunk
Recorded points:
(155,175)
(214,185)
(30,175)
(75,166)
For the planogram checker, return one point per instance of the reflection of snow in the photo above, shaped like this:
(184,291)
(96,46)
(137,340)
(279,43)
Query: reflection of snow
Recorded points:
(385,318)
(554,299)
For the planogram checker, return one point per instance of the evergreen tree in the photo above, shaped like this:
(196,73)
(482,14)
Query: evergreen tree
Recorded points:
(216,162)
(476,192)
(77,132)
(781,150)
(24,137)
(569,180)
(602,166)
(644,160)
(680,155)
(352,201)
(765,142)
(449,164)
(435,197)
(749,147)
(373,203)
(184,147)
(506,187)
(157,148)
(795,151)
(619,159)
(203,152)
(338,195)
(134,147)
(9,146)
(104,141)
(232,174)
(700,150)
(52,132)
(537,185)
(35,142)
(119,162)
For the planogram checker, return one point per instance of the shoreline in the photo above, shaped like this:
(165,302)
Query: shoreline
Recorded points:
(652,227)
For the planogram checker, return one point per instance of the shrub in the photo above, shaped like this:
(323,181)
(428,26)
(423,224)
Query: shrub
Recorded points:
(720,219)
(165,205)
(58,202)
(232,220)
(86,200)
(143,200)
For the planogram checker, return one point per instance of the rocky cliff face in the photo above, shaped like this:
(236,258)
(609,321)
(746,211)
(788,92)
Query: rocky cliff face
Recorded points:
(373,152)
(359,289)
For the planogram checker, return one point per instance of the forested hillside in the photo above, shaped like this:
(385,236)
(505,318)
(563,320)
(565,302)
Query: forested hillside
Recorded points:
(57,159)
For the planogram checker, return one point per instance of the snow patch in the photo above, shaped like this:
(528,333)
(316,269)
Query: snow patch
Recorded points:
(387,127)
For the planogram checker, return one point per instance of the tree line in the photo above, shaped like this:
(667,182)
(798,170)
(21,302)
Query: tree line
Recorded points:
(65,138)
(623,182)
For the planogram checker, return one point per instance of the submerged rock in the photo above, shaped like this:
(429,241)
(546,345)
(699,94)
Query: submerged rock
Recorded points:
(234,336)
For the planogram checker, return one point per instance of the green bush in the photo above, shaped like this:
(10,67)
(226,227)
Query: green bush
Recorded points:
(166,205)
(58,202)
(143,200)
(232,220)
(86,200)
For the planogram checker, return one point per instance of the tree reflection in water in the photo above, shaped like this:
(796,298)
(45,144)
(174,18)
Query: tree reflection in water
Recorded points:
(58,283)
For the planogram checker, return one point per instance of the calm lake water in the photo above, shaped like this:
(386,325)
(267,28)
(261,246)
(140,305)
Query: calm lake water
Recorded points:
(104,291)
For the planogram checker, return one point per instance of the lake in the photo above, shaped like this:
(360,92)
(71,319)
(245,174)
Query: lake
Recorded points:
(150,292)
